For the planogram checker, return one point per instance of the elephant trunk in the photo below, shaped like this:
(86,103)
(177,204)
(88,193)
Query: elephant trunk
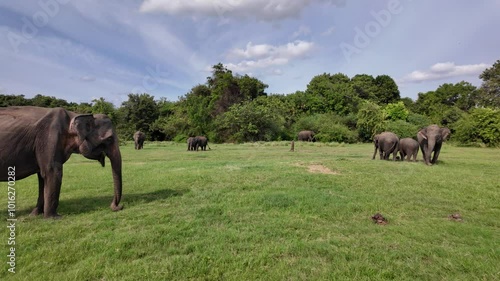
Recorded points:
(115,158)
(431,143)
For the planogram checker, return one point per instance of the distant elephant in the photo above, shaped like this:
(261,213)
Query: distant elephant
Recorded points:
(387,143)
(139,138)
(306,136)
(201,142)
(35,140)
(192,142)
(431,139)
(408,147)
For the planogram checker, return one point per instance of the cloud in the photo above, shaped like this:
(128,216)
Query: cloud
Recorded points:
(266,10)
(443,70)
(329,31)
(303,30)
(265,55)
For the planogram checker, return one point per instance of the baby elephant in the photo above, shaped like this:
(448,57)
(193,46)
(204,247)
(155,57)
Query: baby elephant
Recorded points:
(408,146)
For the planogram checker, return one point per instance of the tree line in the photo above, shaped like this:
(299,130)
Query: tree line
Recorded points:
(236,108)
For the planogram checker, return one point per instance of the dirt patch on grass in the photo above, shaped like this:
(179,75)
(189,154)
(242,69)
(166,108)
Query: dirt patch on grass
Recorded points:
(317,169)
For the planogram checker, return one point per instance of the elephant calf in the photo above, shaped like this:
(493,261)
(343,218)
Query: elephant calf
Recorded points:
(408,147)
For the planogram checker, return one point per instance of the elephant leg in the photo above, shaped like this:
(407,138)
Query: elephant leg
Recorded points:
(52,190)
(39,204)
(437,149)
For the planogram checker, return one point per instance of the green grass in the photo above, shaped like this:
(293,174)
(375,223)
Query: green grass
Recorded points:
(255,212)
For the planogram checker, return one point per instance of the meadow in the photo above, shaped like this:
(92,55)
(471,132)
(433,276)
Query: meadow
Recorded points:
(257,211)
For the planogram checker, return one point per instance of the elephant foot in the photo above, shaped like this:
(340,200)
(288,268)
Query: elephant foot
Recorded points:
(36,211)
(428,164)
(55,216)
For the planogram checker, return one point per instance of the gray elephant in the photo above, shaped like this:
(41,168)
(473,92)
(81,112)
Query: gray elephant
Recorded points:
(201,142)
(191,142)
(139,138)
(408,148)
(306,136)
(35,140)
(431,139)
(387,143)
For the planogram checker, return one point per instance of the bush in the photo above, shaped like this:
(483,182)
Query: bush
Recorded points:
(402,128)
(482,125)
(419,120)
(336,133)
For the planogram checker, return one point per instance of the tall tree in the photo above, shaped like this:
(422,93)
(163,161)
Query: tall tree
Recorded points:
(387,90)
(140,111)
(489,95)
(364,86)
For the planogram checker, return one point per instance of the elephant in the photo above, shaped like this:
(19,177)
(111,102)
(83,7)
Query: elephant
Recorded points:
(387,143)
(431,139)
(191,142)
(408,147)
(306,136)
(202,142)
(36,140)
(139,138)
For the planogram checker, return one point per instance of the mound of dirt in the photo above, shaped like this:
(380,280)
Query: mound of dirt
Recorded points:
(455,217)
(379,219)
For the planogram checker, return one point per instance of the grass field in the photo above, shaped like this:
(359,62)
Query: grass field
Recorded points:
(259,212)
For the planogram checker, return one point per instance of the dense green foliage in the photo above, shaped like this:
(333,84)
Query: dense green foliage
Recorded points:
(235,108)
(256,211)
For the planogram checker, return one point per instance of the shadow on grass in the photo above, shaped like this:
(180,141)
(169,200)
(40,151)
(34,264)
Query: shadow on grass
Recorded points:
(90,204)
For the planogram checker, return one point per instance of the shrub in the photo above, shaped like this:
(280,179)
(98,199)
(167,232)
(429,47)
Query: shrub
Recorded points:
(337,133)
(402,128)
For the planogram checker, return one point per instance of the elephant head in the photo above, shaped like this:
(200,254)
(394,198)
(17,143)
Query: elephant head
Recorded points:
(431,139)
(97,139)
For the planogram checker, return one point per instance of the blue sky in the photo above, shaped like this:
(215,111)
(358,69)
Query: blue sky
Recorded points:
(82,50)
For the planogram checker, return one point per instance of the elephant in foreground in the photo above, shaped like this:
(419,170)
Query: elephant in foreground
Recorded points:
(139,138)
(408,147)
(431,139)
(386,143)
(306,136)
(35,140)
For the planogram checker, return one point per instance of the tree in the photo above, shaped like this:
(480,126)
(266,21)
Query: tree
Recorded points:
(364,86)
(258,120)
(370,120)
(489,94)
(396,111)
(11,100)
(387,90)
(140,111)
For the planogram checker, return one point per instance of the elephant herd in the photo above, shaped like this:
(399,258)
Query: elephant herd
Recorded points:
(37,140)
(429,140)
(194,143)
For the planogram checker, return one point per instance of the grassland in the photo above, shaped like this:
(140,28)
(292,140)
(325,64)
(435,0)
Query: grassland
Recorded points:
(260,212)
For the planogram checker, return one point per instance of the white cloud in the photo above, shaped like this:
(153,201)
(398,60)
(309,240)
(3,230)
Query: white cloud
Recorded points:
(444,70)
(265,55)
(260,9)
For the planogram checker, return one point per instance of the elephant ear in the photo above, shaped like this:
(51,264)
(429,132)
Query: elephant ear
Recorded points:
(445,133)
(423,133)
(82,126)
